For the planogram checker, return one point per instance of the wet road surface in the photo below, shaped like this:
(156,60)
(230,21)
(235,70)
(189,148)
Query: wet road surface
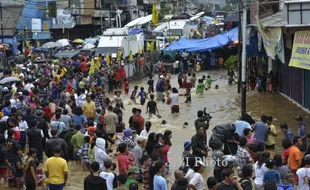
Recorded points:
(224,106)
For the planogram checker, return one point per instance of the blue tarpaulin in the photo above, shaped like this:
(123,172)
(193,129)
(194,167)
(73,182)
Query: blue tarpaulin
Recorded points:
(202,45)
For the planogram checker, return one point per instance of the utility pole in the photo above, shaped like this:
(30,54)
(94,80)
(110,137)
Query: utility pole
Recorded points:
(239,46)
(244,24)
(101,24)
(1,18)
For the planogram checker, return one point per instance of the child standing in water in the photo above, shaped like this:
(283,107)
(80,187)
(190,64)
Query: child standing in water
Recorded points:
(200,87)
(133,94)
(142,95)
(126,85)
(188,96)
(150,82)
(209,82)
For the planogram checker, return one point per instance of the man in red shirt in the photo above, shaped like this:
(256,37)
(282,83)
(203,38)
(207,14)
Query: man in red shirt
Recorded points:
(122,159)
(83,66)
(122,71)
(126,85)
(138,118)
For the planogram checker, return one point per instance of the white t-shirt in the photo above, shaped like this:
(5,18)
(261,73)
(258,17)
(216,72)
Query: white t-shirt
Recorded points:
(28,86)
(23,126)
(144,133)
(259,173)
(109,177)
(189,175)
(189,79)
(197,180)
(303,172)
(174,99)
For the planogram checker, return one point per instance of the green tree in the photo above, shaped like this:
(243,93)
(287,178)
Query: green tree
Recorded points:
(232,62)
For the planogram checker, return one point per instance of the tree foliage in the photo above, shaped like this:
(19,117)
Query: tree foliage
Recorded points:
(231,62)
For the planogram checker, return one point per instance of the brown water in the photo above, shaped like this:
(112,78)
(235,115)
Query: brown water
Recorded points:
(224,106)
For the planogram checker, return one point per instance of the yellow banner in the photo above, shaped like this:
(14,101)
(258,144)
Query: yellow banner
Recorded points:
(273,41)
(301,50)
(46,26)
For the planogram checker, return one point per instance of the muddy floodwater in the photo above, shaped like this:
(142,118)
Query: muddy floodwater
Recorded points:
(224,106)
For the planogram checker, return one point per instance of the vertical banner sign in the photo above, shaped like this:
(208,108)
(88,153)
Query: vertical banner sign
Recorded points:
(36,25)
(46,26)
(272,40)
(301,50)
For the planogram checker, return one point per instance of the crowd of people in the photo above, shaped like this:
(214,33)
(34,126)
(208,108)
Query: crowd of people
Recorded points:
(68,117)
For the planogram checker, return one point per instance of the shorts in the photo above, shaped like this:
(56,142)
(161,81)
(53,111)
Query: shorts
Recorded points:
(19,182)
(76,157)
(175,109)
(4,173)
(56,187)
(142,101)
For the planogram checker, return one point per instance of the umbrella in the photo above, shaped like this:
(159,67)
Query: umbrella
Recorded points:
(88,46)
(78,41)
(91,40)
(50,45)
(9,79)
(181,17)
(63,42)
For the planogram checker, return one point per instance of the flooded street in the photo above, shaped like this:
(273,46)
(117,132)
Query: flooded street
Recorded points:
(224,106)
(221,104)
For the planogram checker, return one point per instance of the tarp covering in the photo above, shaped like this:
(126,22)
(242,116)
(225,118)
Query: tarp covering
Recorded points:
(202,45)
(67,54)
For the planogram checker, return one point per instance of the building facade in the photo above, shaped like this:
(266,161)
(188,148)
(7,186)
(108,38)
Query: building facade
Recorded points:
(293,72)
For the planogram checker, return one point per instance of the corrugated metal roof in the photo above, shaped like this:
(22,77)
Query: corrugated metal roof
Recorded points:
(11,15)
(275,20)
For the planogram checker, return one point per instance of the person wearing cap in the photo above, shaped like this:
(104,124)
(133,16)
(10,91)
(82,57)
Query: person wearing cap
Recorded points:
(160,88)
(302,133)
(133,172)
(187,149)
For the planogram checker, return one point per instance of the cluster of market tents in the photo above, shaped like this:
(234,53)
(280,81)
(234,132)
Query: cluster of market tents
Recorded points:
(206,44)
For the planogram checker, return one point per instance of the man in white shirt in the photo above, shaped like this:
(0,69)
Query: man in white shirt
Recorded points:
(197,182)
(108,175)
(28,86)
(174,101)
(304,175)
(190,162)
